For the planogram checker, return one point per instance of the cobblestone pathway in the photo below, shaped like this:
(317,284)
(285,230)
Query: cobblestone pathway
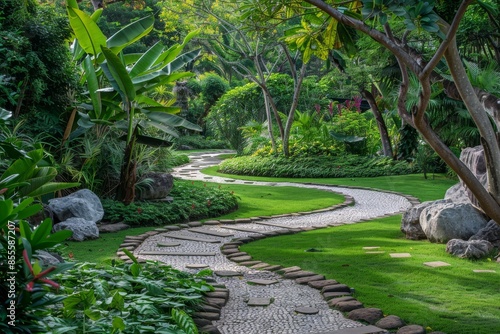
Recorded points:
(263,299)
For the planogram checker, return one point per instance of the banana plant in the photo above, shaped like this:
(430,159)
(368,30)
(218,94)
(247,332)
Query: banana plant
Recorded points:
(119,86)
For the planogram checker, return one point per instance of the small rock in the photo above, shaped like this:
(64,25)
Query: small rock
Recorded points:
(390,322)
(348,305)
(369,315)
(411,329)
(307,310)
(336,288)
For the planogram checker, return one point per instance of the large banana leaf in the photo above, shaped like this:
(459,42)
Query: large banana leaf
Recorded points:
(176,49)
(170,120)
(118,76)
(130,34)
(89,36)
(93,86)
(180,61)
(144,64)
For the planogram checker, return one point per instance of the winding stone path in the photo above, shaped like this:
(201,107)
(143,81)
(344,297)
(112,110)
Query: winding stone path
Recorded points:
(261,299)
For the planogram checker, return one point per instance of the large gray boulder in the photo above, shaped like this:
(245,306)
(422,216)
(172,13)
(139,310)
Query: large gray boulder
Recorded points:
(491,233)
(445,220)
(80,204)
(82,229)
(410,222)
(457,194)
(472,249)
(48,259)
(158,187)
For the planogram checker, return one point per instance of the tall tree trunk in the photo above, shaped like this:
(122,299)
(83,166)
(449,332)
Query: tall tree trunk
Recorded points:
(291,115)
(269,123)
(382,128)
(128,173)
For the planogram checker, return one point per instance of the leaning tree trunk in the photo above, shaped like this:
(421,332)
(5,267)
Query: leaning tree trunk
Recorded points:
(382,128)
(128,174)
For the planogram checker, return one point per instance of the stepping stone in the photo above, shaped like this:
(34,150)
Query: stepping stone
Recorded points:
(375,252)
(436,264)
(230,256)
(348,305)
(399,255)
(172,228)
(241,258)
(243,220)
(307,310)
(181,237)
(210,232)
(207,315)
(227,273)
(371,248)
(288,270)
(242,229)
(249,263)
(305,280)
(227,221)
(168,244)
(298,274)
(260,265)
(230,251)
(161,229)
(216,301)
(177,253)
(197,266)
(321,284)
(336,288)
(263,281)
(271,224)
(195,224)
(358,330)
(212,222)
(370,315)
(332,302)
(259,301)
(331,295)
(483,271)
(273,267)
(218,294)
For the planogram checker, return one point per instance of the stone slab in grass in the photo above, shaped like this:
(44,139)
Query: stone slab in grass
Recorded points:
(399,255)
(375,252)
(305,280)
(321,283)
(241,258)
(274,267)
(484,271)
(212,222)
(260,265)
(436,264)
(259,301)
(371,247)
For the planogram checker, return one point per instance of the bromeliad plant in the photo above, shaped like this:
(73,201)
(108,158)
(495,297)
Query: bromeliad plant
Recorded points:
(119,86)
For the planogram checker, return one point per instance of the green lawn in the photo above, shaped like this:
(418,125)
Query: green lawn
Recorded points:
(414,184)
(451,299)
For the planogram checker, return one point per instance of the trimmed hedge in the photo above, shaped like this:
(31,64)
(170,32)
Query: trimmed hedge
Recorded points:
(316,167)
(192,201)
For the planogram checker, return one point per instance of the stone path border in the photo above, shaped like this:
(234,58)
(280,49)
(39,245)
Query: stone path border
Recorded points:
(337,295)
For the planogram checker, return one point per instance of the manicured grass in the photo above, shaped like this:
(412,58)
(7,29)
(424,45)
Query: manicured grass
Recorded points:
(413,184)
(274,200)
(451,299)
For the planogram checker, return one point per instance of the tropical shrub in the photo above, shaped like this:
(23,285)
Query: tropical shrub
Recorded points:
(190,202)
(316,167)
(131,298)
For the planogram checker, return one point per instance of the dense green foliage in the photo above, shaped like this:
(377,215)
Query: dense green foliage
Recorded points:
(316,167)
(132,298)
(190,202)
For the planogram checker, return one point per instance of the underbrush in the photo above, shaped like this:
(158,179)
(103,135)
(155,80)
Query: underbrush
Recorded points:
(191,201)
(317,167)
(132,298)
(200,142)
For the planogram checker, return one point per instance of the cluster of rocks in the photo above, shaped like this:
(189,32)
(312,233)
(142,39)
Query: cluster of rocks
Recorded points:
(455,220)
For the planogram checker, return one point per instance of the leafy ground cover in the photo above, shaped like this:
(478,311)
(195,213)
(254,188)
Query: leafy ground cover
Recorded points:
(451,299)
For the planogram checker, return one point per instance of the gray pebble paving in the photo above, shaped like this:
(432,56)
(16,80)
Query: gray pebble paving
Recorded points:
(280,316)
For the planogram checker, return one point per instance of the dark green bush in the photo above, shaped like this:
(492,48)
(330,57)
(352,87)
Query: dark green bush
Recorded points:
(191,201)
(200,142)
(316,167)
